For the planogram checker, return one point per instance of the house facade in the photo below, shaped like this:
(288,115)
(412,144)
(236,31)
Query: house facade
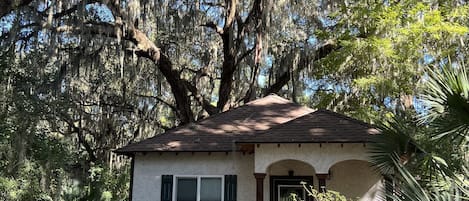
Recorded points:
(261,151)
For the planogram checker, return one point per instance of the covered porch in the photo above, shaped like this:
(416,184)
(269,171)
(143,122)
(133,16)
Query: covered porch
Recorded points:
(279,168)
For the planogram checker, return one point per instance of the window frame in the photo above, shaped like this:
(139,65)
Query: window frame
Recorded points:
(198,177)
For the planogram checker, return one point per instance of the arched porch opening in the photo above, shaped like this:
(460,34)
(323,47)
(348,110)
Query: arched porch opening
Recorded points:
(355,179)
(290,166)
(286,177)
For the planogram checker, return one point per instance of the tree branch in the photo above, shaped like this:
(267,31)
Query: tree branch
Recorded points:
(160,100)
(245,54)
(81,138)
(213,26)
(206,105)
(69,11)
(146,48)
(231,14)
(327,48)
(253,14)
(9,5)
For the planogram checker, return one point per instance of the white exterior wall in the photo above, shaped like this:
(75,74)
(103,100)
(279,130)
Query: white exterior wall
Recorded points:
(272,159)
(149,168)
(281,168)
(320,156)
(355,179)
(307,159)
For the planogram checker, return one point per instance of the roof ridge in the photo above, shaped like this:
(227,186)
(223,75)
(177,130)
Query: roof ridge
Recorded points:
(343,116)
(284,123)
(316,111)
(284,100)
(273,95)
(200,121)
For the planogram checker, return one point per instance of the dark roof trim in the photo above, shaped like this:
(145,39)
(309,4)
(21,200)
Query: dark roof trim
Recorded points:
(178,151)
(237,149)
(305,142)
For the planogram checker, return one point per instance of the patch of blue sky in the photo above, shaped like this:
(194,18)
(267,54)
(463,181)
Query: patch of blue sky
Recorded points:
(443,62)
(178,4)
(418,104)
(249,43)
(6,23)
(196,62)
(43,5)
(214,13)
(312,85)
(389,103)
(420,107)
(428,59)
(262,80)
(298,20)
(102,12)
(312,40)
(264,72)
(327,22)
(354,31)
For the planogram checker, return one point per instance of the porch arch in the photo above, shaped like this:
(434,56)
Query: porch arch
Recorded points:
(283,167)
(356,179)
(320,156)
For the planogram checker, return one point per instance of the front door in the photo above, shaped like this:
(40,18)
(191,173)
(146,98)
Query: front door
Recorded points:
(285,192)
(282,187)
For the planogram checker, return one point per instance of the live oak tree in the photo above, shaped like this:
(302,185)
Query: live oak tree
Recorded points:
(98,74)
(103,73)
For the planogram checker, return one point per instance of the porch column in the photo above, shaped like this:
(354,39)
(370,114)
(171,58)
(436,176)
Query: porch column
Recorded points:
(322,182)
(259,186)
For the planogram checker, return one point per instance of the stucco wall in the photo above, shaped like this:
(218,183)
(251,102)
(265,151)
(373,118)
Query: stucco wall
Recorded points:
(320,156)
(355,179)
(318,159)
(281,168)
(307,159)
(299,168)
(149,168)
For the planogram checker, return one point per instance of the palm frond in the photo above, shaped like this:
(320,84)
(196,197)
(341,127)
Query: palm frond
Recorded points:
(447,97)
(409,189)
(395,138)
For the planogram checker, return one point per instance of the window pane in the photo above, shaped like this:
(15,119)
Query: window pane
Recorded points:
(210,189)
(186,189)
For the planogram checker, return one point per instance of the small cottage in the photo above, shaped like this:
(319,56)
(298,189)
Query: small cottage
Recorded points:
(260,151)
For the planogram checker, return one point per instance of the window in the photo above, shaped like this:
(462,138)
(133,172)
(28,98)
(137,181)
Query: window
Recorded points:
(198,188)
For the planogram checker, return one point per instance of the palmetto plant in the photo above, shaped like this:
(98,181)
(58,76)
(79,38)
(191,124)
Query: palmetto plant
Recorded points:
(395,139)
(447,97)
(410,189)
(427,158)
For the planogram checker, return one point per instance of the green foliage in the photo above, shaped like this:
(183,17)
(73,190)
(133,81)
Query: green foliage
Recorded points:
(424,162)
(447,96)
(67,99)
(40,159)
(396,138)
(410,189)
(384,49)
(406,152)
(104,184)
(329,195)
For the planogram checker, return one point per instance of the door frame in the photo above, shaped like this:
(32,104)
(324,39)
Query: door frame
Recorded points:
(287,180)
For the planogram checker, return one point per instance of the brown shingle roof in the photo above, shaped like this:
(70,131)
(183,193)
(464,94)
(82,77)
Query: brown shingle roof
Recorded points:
(269,119)
(218,132)
(319,126)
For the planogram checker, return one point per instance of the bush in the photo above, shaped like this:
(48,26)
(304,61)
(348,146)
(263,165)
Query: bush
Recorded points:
(329,195)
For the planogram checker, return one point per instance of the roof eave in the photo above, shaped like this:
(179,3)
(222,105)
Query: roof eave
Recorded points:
(305,142)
